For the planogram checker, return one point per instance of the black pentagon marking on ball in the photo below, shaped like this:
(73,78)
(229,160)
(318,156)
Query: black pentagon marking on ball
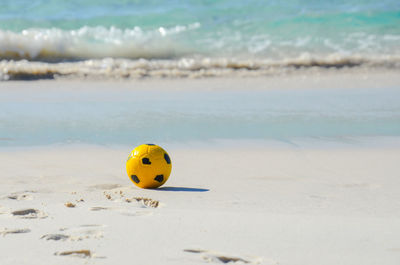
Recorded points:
(146,161)
(166,157)
(150,144)
(135,179)
(159,178)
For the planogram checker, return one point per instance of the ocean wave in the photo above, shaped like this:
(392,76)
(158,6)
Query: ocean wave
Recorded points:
(110,68)
(182,41)
(93,42)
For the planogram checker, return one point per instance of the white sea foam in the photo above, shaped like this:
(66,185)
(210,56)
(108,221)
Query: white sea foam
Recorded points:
(92,42)
(188,67)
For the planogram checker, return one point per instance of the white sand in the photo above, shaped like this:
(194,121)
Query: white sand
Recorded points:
(257,203)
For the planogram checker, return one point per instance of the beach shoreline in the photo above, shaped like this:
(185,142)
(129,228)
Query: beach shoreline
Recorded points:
(337,104)
(114,69)
(319,198)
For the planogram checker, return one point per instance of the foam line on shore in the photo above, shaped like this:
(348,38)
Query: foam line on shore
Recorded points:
(109,68)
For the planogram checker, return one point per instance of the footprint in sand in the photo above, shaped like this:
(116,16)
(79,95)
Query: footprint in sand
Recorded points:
(77,233)
(100,208)
(147,202)
(119,196)
(20,196)
(211,256)
(7,231)
(29,214)
(83,253)
(139,202)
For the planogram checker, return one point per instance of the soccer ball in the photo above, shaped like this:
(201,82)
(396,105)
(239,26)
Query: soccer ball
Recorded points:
(148,166)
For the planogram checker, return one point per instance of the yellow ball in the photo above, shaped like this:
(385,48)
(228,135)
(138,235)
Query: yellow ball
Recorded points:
(148,166)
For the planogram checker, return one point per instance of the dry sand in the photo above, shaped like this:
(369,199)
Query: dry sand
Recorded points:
(249,203)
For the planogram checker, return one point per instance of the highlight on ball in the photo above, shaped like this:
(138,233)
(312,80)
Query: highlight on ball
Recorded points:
(148,166)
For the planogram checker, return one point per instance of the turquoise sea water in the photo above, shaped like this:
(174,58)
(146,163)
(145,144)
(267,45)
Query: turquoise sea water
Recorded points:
(254,29)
